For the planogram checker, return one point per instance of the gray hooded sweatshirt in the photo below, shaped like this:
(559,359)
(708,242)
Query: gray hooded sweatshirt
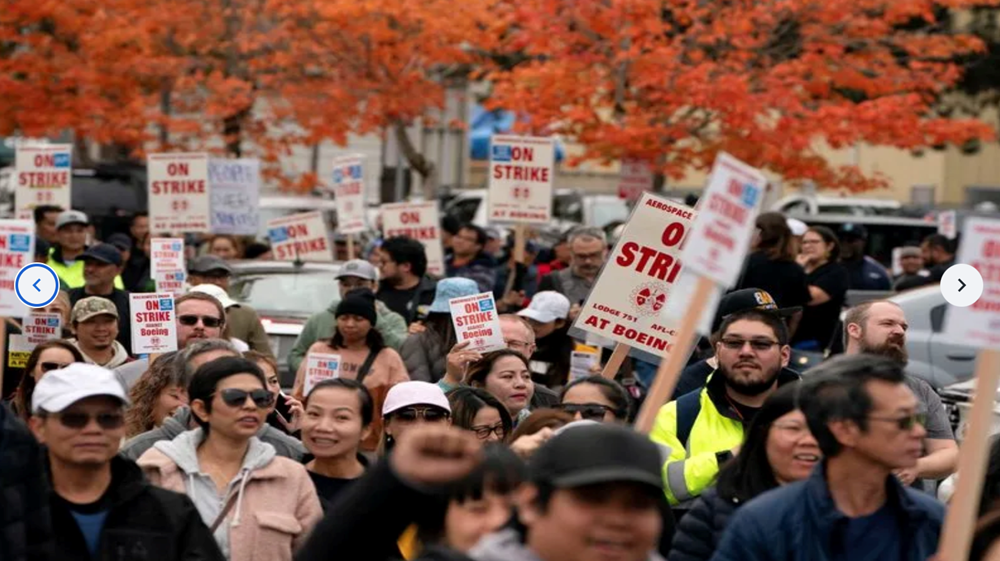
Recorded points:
(506,545)
(180,422)
(199,486)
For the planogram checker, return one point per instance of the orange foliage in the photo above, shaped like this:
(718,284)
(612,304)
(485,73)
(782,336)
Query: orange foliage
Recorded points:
(674,82)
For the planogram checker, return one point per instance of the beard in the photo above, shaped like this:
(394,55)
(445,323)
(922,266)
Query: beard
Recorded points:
(893,348)
(749,386)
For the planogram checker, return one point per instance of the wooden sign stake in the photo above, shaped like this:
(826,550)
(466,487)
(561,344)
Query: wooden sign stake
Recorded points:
(520,240)
(618,356)
(670,369)
(960,519)
(350,246)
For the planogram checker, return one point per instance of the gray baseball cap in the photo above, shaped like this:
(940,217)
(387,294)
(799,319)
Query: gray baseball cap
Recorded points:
(358,268)
(68,217)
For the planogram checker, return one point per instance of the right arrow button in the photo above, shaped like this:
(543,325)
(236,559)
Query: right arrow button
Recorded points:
(961,285)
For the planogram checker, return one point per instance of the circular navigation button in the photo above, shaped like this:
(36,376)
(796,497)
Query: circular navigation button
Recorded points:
(961,285)
(36,285)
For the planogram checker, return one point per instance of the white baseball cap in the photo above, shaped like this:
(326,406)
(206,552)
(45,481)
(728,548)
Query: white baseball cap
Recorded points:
(216,292)
(405,394)
(61,388)
(798,227)
(547,306)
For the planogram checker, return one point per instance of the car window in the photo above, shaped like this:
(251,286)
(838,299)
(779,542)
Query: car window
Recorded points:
(608,211)
(937,318)
(297,294)
(464,210)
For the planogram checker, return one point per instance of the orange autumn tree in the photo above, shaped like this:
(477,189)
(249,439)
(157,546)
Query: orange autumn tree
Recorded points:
(676,81)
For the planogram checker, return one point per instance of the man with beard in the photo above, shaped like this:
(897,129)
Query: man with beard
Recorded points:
(588,249)
(879,328)
(405,287)
(705,428)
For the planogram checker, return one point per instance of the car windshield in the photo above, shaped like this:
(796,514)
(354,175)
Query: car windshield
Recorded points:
(292,294)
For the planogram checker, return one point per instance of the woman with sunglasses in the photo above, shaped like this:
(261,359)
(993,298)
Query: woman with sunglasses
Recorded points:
(478,411)
(286,413)
(778,449)
(265,505)
(409,404)
(48,356)
(338,416)
(155,396)
(596,398)
(506,375)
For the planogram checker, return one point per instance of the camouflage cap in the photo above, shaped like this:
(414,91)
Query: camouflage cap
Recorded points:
(91,307)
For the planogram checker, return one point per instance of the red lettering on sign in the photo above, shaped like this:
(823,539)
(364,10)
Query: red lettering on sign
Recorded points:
(188,187)
(521,173)
(174,168)
(672,234)
(639,337)
(44,160)
(409,217)
(650,261)
(152,304)
(11,260)
(473,319)
(518,153)
(727,208)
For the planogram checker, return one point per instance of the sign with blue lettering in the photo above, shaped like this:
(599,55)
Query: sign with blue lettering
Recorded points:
(20,243)
(500,153)
(278,235)
(61,160)
(235,192)
(750,194)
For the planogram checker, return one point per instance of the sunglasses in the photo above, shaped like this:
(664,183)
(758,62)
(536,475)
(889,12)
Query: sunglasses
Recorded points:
(904,423)
(236,398)
(431,415)
(207,321)
(482,433)
(50,366)
(107,421)
(590,411)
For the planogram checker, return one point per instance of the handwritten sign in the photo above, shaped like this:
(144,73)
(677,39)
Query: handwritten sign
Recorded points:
(178,193)
(319,367)
(476,321)
(521,169)
(235,196)
(43,176)
(636,178)
(720,239)
(300,237)
(167,264)
(349,194)
(154,323)
(421,222)
(627,302)
(17,249)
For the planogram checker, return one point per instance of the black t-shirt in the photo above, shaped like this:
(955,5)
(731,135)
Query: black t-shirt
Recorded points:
(785,281)
(329,488)
(819,322)
(121,301)
(396,299)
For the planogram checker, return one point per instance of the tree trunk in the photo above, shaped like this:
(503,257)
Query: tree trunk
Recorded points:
(423,166)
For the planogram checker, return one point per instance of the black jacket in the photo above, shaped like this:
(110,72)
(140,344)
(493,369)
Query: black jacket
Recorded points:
(700,530)
(25,524)
(144,523)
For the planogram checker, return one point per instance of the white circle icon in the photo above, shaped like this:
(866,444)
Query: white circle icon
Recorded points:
(36,285)
(961,285)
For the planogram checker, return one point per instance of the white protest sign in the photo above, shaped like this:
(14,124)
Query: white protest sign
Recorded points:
(582,363)
(627,302)
(349,194)
(521,170)
(154,323)
(948,224)
(421,222)
(41,327)
(17,249)
(979,324)
(18,351)
(167,264)
(319,367)
(234,186)
(720,239)
(476,321)
(43,176)
(300,237)
(636,178)
(178,193)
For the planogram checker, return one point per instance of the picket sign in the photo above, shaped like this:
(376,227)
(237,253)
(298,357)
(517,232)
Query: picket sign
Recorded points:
(319,367)
(979,325)
(477,323)
(154,324)
(947,223)
(713,255)
(43,175)
(349,196)
(421,222)
(300,237)
(178,193)
(17,249)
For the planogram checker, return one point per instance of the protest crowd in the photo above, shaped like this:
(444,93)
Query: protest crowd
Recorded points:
(464,416)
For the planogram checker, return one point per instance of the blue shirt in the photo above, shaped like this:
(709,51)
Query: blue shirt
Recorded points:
(91,525)
(876,537)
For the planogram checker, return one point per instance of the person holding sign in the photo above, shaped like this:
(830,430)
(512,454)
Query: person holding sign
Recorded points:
(426,353)
(868,425)
(588,249)
(363,353)
(705,428)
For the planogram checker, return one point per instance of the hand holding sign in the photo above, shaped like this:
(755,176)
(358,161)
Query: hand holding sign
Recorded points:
(477,323)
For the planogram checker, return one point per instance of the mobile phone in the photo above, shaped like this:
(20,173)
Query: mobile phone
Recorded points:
(281,407)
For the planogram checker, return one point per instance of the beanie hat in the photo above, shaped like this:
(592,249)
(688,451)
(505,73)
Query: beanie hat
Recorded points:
(360,302)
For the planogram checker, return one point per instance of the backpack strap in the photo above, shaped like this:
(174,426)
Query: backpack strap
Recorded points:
(367,366)
(688,408)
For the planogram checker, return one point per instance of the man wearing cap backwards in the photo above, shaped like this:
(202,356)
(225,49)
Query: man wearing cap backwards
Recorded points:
(64,258)
(102,506)
(594,493)
(354,274)
(705,428)
(102,264)
(95,322)
(864,272)
(211,275)
(913,276)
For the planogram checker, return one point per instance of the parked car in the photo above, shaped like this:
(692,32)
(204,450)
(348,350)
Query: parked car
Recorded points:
(569,208)
(284,294)
(820,204)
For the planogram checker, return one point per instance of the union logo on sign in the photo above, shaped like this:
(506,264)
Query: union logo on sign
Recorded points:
(648,299)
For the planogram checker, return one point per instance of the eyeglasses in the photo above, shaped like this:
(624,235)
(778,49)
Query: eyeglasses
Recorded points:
(207,321)
(236,398)
(599,256)
(431,414)
(515,344)
(107,421)
(590,411)
(482,432)
(904,423)
(758,345)
(50,366)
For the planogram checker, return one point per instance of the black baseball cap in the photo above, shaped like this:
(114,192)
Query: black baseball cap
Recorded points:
(749,299)
(591,454)
(121,241)
(103,252)
(853,232)
(208,264)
